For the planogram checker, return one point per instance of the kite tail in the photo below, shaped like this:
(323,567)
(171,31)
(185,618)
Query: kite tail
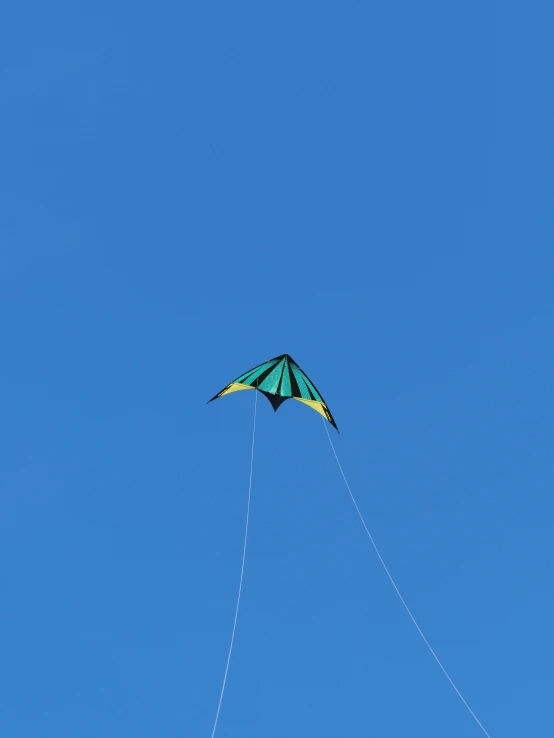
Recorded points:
(241,572)
(389,575)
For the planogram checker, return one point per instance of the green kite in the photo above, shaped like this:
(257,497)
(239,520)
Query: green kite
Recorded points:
(280,379)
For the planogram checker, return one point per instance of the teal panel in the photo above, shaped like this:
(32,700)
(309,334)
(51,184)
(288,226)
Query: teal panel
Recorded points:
(253,374)
(271,382)
(285,384)
(313,389)
(299,376)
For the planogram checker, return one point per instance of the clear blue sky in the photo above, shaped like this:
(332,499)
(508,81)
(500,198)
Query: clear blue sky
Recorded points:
(188,189)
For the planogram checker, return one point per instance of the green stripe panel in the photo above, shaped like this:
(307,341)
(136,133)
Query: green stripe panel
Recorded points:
(285,384)
(271,382)
(253,374)
(299,376)
(313,389)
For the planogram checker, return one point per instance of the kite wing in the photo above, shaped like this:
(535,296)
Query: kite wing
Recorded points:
(280,379)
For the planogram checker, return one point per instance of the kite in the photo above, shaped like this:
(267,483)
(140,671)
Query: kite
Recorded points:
(280,379)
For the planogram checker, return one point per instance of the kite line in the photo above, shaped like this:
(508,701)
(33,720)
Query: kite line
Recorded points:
(241,571)
(389,575)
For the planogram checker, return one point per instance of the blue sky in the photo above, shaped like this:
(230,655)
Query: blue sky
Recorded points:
(188,189)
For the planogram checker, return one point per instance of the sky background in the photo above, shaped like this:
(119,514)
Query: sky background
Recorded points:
(188,189)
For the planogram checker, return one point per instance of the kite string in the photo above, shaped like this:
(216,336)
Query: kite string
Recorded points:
(389,575)
(241,571)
